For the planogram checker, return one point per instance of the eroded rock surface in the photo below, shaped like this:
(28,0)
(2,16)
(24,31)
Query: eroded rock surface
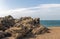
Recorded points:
(19,28)
(6,22)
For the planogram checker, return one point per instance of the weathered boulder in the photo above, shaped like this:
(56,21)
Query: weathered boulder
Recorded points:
(24,18)
(8,38)
(40,30)
(17,20)
(18,32)
(6,22)
(36,21)
(1,25)
(4,34)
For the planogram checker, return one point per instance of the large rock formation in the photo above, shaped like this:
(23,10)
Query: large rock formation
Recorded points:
(18,28)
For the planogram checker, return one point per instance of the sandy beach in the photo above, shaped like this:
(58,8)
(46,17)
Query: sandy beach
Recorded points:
(54,34)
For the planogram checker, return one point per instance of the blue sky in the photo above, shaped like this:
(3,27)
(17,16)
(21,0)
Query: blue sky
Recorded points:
(29,3)
(45,9)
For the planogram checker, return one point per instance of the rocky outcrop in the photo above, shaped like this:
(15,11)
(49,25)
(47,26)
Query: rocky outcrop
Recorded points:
(4,34)
(18,28)
(40,30)
(6,22)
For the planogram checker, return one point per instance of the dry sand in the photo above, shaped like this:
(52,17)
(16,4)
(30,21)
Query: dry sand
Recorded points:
(54,34)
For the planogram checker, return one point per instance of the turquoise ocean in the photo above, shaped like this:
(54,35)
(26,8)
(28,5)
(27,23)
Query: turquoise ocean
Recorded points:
(50,23)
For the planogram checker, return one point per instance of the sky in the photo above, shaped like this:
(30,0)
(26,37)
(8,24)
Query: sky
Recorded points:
(44,9)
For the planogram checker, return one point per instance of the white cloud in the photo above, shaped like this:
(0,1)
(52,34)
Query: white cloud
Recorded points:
(44,11)
(49,5)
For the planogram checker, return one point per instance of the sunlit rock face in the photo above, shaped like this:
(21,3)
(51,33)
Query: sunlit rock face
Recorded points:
(22,27)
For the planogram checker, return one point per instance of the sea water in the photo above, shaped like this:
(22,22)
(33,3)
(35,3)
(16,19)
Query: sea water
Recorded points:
(49,23)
